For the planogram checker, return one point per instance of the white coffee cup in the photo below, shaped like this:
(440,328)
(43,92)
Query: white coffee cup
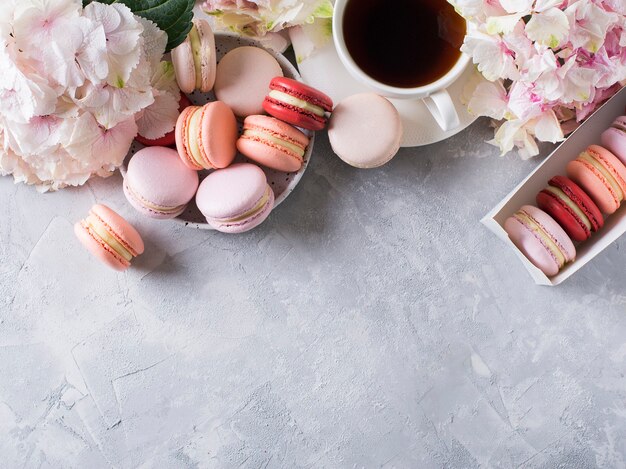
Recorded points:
(435,96)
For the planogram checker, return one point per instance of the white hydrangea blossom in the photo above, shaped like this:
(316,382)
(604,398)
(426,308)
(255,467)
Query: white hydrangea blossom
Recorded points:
(267,20)
(74,85)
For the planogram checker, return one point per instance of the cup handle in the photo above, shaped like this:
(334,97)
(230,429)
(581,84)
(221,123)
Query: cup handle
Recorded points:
(442,109)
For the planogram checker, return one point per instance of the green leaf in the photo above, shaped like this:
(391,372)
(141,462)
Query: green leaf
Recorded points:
(172,16)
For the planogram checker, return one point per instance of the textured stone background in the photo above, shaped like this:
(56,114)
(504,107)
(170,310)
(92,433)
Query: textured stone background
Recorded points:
(370,322)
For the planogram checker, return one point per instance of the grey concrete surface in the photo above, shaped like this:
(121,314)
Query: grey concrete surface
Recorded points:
(372,321)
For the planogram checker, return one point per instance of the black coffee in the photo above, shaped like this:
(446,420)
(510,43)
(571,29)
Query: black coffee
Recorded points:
(403,43)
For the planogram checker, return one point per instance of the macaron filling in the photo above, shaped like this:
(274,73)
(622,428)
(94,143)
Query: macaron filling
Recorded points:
(193,144)
(261,135)
(260,205)
(96,226)
(196,51)
(541,234)
(570,204)
(293,101)
(154,207)
(589,158)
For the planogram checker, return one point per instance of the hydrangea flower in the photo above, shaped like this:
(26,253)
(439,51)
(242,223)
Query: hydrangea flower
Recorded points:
(549,64)
(76,84)
(265,20)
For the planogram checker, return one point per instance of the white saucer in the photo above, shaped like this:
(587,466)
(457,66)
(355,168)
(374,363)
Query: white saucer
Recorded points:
(324,70)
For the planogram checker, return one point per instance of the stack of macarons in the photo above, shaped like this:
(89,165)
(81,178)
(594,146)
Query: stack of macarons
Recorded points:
(247,83)
(571,208)
(276,141)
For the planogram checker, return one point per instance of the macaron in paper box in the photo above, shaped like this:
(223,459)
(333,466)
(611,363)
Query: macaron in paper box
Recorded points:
(588,134)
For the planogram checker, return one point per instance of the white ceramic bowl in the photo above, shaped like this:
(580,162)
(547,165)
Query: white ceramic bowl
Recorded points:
(282,183)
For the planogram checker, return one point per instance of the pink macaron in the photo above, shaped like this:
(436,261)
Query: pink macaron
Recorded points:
(194,60)
(235,199)
(540,239)
(206,136)
(243,78)
(365,130)
(601,175)
(614,138)
(158,184)
(109,237)
(273,143)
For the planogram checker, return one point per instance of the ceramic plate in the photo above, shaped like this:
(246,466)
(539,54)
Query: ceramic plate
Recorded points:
(282,183)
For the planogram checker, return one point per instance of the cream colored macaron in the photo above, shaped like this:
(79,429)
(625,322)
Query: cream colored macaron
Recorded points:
(365,130)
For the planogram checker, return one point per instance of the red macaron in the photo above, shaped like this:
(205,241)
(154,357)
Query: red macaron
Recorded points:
(168,139)
(569,205)
(297,104)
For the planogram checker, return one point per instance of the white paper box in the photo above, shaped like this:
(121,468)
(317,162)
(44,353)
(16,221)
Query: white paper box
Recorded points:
(525,193)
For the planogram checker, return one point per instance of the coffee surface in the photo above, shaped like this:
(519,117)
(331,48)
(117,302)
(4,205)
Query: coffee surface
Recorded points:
(403,43)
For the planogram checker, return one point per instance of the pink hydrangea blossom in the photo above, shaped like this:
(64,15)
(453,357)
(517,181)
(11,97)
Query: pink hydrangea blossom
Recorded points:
(550,64)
